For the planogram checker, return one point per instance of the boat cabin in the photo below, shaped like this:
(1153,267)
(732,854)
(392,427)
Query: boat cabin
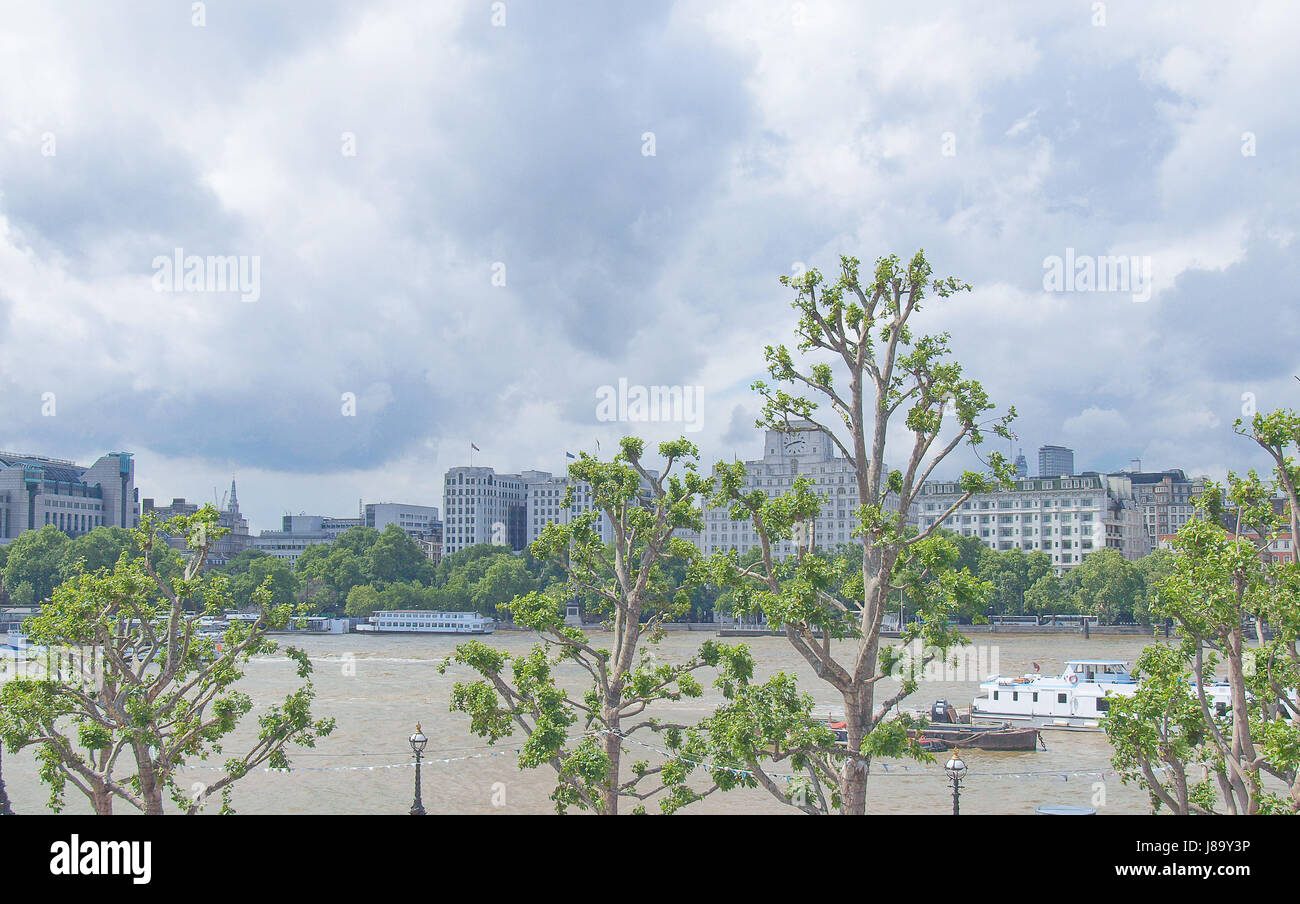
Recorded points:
(1098,671)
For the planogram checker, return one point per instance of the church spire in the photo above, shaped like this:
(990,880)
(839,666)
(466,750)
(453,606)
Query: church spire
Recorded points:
(234,497)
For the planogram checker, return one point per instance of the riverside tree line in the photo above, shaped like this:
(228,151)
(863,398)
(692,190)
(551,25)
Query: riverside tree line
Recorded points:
(860,370)
(366,570)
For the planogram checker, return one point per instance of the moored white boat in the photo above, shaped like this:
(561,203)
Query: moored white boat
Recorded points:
(420,621)
(17,646)
(1077,699)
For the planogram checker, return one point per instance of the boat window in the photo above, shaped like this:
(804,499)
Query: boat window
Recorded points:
(995,695)
(1014,697)
(1102,704)
(1060,698)
(1035,698)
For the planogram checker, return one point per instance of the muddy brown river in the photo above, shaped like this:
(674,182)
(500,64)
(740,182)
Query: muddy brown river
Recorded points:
(378,687)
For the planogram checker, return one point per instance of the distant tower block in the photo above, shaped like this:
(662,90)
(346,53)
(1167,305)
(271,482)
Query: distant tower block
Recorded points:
(1055,461)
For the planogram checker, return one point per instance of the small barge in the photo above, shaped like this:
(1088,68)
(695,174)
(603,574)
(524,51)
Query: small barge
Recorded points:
(945,731)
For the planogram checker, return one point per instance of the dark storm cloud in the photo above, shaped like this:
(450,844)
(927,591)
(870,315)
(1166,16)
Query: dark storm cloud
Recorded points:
(551,172)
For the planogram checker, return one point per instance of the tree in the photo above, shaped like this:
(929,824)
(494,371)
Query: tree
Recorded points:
(1152,569)
(629,586)
(864,360)
(457,561)
(363,601)
(268,574)
(1160,734)
(1105,584)
(153,693)
(99,548)
(1225,586)
(1011,572)
(1046,596)
(396,557)
(329,572)
(969,550)
(36,558)
(103,546)
(244,560)
(506,579)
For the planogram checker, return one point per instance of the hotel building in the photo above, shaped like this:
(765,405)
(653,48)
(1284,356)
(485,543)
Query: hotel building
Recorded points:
(1065,517)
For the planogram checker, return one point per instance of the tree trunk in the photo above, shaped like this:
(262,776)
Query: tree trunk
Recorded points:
(613,750)
(853,774)
(1243,746)
(150,789)
(5,809)
(102,800)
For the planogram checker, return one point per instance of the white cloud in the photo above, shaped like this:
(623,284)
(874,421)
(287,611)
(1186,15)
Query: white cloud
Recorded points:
(785,134)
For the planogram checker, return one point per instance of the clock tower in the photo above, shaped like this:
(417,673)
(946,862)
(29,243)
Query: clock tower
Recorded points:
(806,443)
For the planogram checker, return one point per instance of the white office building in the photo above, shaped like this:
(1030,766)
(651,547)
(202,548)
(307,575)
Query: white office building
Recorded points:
(546,497)
(483,506)
(418,521)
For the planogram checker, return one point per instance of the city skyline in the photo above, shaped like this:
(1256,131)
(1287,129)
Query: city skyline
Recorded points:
(146,487)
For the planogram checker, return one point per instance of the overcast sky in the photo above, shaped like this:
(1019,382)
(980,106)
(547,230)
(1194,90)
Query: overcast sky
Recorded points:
(993,135)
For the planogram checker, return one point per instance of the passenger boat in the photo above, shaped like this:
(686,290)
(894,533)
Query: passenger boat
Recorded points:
(1077,699)
(421,621)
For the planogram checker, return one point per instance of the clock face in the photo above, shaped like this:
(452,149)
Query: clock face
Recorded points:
(794,443)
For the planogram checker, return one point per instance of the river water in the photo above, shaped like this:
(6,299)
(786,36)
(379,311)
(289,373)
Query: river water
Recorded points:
(378,687)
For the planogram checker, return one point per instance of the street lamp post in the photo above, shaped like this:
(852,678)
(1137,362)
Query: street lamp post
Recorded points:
(418,742)
(956,770)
